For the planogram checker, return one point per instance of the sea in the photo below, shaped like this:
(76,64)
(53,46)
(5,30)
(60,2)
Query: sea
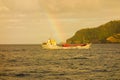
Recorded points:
(31,62)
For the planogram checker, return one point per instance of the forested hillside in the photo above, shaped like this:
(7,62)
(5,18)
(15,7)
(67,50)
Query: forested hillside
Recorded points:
(102,34)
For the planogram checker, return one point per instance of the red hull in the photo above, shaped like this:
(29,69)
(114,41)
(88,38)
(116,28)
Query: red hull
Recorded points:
(73,45)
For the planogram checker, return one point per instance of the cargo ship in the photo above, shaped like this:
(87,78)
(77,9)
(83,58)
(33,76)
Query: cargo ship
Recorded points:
(51,44)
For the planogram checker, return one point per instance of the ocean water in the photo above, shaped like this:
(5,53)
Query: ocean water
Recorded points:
(31,62)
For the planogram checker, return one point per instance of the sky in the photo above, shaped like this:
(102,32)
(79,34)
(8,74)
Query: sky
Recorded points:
(35,21)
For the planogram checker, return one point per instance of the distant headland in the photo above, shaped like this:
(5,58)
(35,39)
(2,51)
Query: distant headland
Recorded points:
(106,33)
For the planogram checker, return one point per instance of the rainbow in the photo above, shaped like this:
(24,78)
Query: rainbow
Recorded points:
(57,32)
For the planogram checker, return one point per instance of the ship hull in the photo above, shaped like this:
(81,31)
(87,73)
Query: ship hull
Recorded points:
(67,46)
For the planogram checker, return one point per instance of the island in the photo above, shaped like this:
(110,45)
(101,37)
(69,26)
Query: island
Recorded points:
(106,33)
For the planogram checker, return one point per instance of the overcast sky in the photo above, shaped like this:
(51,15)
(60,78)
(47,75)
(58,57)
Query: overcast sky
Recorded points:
(34,21)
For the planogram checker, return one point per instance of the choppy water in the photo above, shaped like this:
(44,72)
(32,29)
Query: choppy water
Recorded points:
(31,62)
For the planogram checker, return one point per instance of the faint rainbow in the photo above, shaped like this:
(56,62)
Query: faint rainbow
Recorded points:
(55,24)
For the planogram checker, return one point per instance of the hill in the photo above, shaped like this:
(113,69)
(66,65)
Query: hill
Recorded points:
(109,32)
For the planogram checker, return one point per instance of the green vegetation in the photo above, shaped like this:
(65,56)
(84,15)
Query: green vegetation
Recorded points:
(101,34)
